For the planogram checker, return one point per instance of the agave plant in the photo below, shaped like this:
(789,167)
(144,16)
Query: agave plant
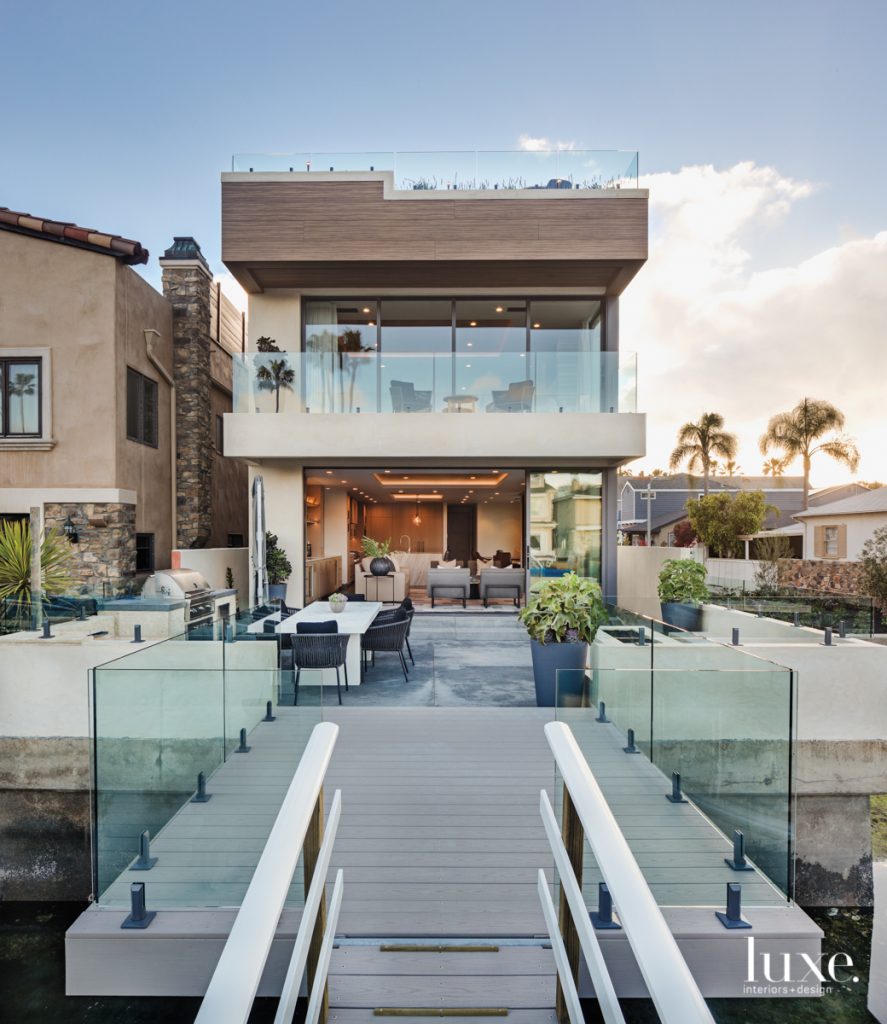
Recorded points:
(56,568)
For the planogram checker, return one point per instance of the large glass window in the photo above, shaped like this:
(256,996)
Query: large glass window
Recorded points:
(565,340)
(416,364)
(566,516)
(341,339)
(20,397)
(491,354)
(141,408)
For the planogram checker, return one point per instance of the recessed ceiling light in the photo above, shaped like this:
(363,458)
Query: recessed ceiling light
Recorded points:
(400,491)
(329,472)
(470,344)
(343,481)
(406,478)
(387,470)
(499,309)
(371,323)
(474,478)
(353,488)
(537,325)
(367,309)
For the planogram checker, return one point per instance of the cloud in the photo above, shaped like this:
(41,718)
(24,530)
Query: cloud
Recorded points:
(533,144)
(713,333)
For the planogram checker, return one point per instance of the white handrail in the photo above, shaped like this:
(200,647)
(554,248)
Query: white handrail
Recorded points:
(568,985)
(323,961)
(672,987)
(233,986)
(591,949)
(289,994)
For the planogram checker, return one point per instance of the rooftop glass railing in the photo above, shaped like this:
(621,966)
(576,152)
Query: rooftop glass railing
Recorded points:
(469,170)
(417,382)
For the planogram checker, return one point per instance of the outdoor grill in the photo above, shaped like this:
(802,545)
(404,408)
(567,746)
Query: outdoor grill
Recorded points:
(187,585)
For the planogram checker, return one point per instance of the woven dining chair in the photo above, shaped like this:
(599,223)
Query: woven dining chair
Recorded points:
(319,645)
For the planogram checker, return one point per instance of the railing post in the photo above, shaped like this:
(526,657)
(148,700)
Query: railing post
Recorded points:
(310,852)
(574,838)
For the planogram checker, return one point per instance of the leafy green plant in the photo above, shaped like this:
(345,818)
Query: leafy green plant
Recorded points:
(376,548)
(229,578)
(277,565)
(874,567)
(56,562)
(682,580)
(565,609)
(722,519)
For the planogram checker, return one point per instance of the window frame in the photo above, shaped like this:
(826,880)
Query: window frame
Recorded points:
(829,538)
(20,357)
(142,379)
(153,552)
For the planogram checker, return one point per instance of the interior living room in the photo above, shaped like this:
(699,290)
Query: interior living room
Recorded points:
(453,538)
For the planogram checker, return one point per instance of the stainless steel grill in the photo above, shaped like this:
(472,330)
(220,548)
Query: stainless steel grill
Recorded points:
(183,584)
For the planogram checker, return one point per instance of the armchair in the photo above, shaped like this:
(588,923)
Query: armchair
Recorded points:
(454,583)
(502,583)
(518,398)
(405,397)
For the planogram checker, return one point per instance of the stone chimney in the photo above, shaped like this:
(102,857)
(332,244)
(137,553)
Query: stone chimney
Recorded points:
(187,282)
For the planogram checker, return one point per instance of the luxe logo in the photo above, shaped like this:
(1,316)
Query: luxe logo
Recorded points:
(795,969)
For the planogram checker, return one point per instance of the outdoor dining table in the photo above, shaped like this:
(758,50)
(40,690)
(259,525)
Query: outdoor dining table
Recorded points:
(355,620)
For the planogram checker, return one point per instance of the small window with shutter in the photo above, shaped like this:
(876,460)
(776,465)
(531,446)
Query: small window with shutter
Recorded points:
(830,538)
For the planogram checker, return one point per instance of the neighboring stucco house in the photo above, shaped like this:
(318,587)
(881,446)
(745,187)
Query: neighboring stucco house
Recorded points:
(838,531)
(102,380)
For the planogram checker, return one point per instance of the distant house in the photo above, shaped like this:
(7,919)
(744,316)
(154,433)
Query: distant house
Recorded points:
(669,506)
(837,531)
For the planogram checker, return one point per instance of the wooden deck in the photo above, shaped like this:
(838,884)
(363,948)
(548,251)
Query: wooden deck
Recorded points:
(440,837)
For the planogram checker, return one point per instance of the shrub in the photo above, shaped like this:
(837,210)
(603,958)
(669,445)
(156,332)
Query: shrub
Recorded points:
(683,581)
(565,609)
(277,565)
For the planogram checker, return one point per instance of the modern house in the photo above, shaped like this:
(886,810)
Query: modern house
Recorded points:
(111,398)
(838,530)
(427,344)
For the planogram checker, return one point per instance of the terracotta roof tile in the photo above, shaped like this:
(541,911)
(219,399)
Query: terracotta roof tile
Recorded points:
(125,249)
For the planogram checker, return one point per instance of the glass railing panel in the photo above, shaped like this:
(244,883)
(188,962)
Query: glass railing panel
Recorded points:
(436,171)
(854,616)
(728,732)
(434,381)
(488,170)
(725,722)
(168,712)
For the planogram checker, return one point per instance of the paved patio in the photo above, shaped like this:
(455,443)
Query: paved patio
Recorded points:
(461,660)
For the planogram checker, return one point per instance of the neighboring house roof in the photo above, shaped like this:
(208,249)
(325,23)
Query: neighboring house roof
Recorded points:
(124,249)
(786,494)
(837,492)
(860,504)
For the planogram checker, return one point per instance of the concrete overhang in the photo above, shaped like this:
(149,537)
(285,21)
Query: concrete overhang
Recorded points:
(532,440)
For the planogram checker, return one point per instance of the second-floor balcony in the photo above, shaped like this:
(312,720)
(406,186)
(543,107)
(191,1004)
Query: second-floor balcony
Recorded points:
(435,382)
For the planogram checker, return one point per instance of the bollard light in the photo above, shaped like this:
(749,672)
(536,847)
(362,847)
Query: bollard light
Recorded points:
(736,642)
(827,642)
(642,636)
(137,635)
(47,634)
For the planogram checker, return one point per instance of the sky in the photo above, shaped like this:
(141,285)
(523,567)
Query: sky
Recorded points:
(760,128)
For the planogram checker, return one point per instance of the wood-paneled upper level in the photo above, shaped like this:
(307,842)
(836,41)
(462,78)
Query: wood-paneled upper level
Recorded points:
(298,230)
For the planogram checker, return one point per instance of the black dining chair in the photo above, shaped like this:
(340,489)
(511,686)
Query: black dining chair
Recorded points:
(319,645)
(389,634)
(355,597)
(407,605)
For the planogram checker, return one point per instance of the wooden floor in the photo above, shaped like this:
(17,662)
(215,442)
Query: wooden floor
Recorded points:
(440,838)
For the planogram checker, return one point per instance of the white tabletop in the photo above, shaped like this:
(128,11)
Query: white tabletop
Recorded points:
(356,618)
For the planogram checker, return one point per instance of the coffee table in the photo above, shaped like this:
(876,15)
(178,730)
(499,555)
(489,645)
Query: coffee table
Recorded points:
(461,403)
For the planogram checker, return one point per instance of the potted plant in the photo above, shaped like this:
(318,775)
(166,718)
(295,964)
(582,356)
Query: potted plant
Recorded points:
(278,567)
(562,618)
(378,551)
(338,602)
(682,590)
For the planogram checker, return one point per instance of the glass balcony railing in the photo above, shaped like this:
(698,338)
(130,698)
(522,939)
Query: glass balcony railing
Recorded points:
(469,169)
(423,382)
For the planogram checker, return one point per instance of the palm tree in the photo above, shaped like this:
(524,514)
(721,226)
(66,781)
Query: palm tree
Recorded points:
(22,384)
(774,468)
(730,468)
(796,433)
(699,442)
(276,375)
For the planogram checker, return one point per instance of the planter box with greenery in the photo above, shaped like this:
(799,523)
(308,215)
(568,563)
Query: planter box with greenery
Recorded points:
(682,590)
(278,567)
(562,618)
(378,551)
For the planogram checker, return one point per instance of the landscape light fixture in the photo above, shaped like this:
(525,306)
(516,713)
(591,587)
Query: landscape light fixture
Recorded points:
(70,531)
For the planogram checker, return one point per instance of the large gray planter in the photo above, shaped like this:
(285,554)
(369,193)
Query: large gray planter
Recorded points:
(277,592)
(548,660)
(684,616)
